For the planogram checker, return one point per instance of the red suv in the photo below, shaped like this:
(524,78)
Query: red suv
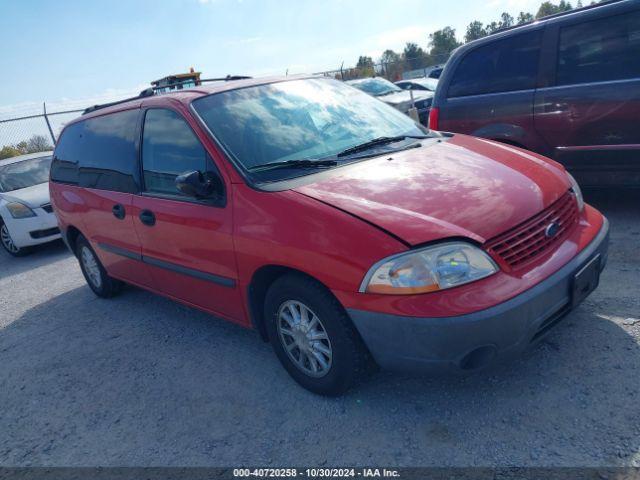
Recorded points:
(334,225)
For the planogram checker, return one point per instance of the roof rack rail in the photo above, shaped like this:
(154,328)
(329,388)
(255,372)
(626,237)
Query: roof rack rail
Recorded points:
(228,78)
(149,92)
(555,15)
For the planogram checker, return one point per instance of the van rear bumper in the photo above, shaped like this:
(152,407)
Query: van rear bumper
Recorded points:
(475,340)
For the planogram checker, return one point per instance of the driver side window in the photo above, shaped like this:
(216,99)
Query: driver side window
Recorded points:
(169,148)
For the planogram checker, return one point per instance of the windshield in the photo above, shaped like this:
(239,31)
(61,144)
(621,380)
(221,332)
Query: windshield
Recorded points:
(428,83)
(376,86)
(298,120)
(23,174)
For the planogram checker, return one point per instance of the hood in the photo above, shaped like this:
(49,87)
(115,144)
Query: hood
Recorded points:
(454,187)
(402,100)
(34,196)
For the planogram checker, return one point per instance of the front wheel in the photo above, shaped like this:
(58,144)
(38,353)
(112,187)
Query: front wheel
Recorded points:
(94,273)
(8,243)
(312,336)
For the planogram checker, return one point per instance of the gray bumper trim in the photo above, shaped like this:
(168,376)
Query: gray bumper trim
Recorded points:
(430,344)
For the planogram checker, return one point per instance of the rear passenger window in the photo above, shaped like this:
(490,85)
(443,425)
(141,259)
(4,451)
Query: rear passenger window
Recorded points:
(600,50)
(64,167)
(501,66)
(169,148)
(99,153)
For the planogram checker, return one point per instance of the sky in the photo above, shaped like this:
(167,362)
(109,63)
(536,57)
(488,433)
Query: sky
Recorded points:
(74,53)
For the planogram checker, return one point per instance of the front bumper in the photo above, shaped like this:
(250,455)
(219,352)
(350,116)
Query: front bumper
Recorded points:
(481,338)
(42,228)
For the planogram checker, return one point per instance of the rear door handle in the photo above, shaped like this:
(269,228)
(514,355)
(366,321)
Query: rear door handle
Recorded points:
(118,211)
(148,218)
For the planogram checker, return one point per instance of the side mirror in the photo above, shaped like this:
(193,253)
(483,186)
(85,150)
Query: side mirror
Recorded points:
(199,185)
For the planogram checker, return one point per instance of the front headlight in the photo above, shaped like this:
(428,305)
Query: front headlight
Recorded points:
(19,210)
(428,269)
(575,188)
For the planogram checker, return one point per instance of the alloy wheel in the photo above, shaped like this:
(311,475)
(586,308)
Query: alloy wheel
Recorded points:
(7,241)
(304,338)
(91,267)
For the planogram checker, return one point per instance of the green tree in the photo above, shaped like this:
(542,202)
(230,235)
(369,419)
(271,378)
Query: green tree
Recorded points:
(443,42)
(9,151)
(525,17)
(392,65)
(548,8)
(492,27)
(506,20)
(365,67)
(475,30)
(364,62)
(22,147)
(414,56)
(38,143)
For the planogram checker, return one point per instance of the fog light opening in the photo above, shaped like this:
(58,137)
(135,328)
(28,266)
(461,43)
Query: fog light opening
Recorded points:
(478,357)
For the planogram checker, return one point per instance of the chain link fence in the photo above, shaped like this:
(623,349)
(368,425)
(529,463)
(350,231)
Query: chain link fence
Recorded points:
(32,133)
(394,70)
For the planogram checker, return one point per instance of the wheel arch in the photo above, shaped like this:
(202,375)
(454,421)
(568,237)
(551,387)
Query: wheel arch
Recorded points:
(70,237)
(257,289)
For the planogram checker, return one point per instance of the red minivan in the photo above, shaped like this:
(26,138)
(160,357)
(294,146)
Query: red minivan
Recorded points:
(342,231)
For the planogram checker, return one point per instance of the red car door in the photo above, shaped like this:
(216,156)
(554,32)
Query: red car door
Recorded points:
(186,243)
(103,152)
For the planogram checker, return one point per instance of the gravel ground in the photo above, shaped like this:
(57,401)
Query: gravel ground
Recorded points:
(141,380)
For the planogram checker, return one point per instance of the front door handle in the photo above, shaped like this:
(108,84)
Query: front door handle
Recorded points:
(118,211)
(148,218)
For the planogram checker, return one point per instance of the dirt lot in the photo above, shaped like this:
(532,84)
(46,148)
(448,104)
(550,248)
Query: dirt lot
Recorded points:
(141,380)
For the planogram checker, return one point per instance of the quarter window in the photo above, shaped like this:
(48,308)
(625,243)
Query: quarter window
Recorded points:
(99,153)
(601,50)
(501,66)
(169,148)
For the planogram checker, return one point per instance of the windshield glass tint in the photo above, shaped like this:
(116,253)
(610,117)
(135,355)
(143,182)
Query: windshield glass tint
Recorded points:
(26,173)
(376,86)
(298,120)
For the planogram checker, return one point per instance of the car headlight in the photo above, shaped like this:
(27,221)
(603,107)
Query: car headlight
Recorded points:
(20,210)
(428,269)
(575,188)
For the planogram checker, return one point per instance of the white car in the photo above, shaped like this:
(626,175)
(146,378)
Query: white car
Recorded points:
(393,95)
(26,216)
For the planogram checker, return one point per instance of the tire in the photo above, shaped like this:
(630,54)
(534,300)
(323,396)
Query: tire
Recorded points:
(8,245)
(94,273)
(299,347)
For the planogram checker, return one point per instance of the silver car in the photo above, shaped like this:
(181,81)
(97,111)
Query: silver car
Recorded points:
(395,96)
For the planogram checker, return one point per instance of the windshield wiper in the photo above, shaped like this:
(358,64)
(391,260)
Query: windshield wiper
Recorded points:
(294,164)
(375,142)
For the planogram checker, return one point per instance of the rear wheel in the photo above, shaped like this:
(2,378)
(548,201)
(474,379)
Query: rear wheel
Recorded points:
(8,243)
(94,273)
(312,336)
